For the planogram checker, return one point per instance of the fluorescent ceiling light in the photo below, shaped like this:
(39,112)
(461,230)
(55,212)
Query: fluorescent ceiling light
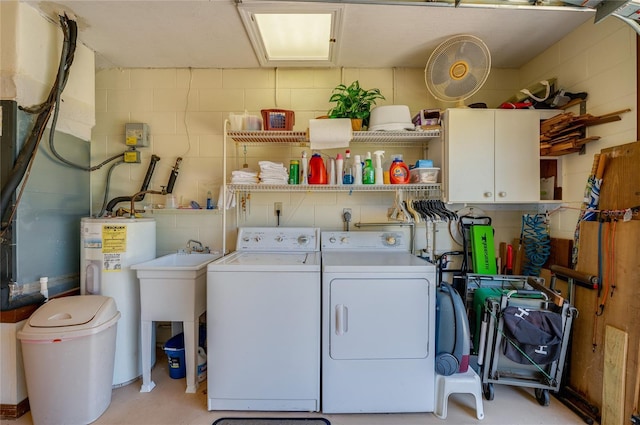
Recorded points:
(286,34)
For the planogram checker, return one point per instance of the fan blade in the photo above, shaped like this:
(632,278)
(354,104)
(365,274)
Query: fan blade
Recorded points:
(440,74)
(440,65)
(476,56)
(460,49)
(459,88)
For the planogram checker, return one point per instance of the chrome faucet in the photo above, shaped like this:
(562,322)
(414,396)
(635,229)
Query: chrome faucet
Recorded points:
(196,246)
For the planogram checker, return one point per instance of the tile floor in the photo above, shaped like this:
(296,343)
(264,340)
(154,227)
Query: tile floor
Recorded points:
(168,404)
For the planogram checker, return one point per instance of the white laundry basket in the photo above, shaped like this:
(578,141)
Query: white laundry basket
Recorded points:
(68,348)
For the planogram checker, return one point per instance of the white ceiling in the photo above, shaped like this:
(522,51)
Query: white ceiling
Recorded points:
(210,34)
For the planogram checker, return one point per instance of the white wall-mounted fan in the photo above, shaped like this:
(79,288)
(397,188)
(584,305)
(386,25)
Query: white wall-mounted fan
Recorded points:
(457,68)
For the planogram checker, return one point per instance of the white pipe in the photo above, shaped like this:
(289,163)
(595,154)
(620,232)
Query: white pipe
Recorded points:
(44,290)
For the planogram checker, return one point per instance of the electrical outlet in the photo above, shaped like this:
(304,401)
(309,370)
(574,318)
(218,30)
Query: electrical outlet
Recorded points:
(277,206)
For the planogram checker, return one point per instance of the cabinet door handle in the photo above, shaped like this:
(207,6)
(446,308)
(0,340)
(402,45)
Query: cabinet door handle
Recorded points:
(502,194)
(488,195)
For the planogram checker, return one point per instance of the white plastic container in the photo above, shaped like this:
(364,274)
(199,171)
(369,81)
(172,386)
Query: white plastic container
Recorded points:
(390,118)
(423,175)
(202,365)
(68,348)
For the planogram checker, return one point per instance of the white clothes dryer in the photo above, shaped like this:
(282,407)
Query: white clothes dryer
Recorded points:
(263,322)
(378,324)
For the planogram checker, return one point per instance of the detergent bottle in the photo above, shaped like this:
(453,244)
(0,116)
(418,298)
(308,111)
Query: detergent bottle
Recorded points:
(305,168)
(368,173)
(339,169)
(357,170)
(332,171)
(317,170)
(399,172)
(379,175)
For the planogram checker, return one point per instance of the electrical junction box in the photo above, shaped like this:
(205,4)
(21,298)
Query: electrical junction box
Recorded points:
(136,134)
(132,156)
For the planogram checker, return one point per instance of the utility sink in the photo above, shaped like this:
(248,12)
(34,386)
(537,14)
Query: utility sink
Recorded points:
(178,262)
(173,288)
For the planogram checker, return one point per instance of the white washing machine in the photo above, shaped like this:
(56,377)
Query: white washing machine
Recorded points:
(378,324)
(263,322)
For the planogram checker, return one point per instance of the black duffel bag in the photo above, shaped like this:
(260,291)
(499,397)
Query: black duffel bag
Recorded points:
(533,336)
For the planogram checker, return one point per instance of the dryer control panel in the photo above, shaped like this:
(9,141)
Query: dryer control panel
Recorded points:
(278,239)
(364,241)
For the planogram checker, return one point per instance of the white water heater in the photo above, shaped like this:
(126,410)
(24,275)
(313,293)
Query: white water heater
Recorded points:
(109,247)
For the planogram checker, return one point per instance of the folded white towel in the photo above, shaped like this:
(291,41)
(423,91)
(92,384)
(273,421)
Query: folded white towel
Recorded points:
(244,172)
(244,176)
(268,165)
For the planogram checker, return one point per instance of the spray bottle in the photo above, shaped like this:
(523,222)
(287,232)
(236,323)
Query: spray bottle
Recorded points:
(368,173)
(379,174)
(305,169)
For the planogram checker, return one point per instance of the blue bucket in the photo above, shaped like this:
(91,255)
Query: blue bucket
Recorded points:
(174,349)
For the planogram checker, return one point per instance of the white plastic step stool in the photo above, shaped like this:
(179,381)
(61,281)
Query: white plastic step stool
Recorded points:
(467,382)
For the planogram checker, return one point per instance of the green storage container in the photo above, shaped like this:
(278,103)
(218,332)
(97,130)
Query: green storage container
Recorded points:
(480,296)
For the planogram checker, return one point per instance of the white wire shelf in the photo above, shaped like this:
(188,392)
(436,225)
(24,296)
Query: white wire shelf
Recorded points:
(432,190)
(299,138)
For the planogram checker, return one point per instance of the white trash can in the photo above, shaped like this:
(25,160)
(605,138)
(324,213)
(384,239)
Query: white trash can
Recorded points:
(68,348)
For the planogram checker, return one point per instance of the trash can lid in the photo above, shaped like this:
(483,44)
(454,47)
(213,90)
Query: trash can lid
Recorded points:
(74,311)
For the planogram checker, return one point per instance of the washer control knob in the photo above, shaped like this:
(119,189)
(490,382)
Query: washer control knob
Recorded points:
(245,239)
(391,240)
(257,238)
(279,238)
(303,240)
(344,239)
(332,239)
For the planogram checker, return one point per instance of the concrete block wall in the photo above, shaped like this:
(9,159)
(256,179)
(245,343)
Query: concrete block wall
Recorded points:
(600,60)
(186,110)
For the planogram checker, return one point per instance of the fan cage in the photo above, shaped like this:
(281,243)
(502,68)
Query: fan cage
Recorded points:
(463,88)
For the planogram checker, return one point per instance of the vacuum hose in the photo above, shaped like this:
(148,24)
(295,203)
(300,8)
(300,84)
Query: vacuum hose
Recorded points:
(537,244)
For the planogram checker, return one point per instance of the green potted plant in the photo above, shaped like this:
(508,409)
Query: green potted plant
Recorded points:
(353,102)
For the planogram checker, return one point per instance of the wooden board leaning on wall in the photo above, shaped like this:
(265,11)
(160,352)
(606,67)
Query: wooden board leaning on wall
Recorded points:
(565,133)
(621,309)
(621,179)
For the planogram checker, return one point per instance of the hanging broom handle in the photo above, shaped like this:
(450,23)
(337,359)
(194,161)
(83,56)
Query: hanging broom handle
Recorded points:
(574,274)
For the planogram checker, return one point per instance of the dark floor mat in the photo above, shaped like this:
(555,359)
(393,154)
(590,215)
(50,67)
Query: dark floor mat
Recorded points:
(272,421)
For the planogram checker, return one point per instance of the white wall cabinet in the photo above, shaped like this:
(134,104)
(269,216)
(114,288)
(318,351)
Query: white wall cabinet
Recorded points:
(489,156)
